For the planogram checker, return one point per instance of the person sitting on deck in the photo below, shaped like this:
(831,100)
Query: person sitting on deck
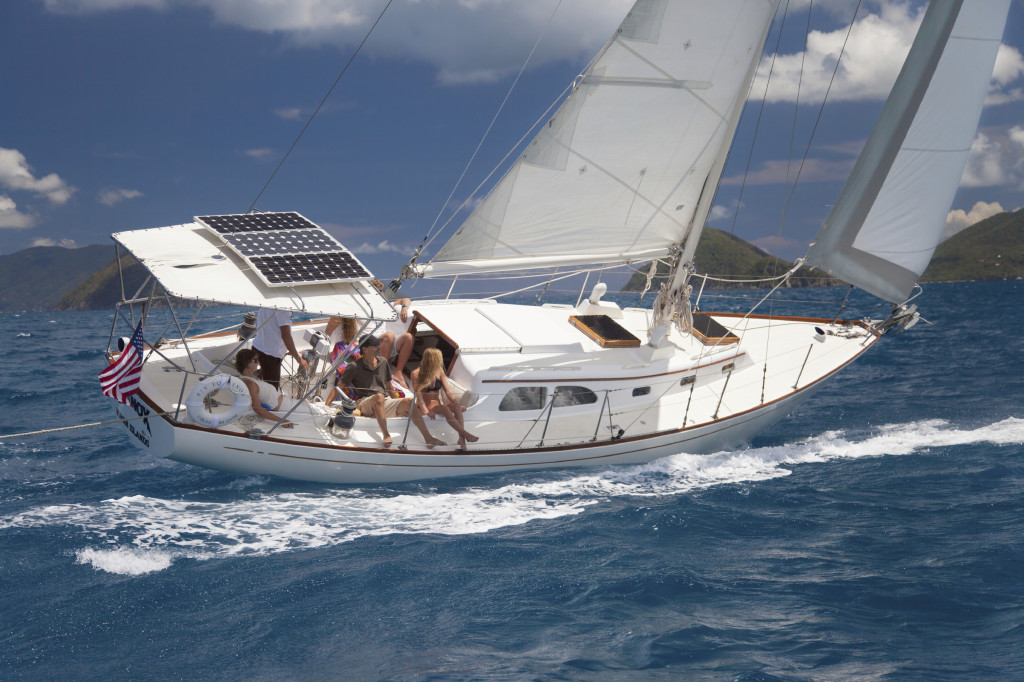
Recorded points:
(342,335)
(396,341)
(434,394)
(265,397)
(370,379)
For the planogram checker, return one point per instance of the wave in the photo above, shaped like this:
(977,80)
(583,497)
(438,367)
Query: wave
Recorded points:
(139,534)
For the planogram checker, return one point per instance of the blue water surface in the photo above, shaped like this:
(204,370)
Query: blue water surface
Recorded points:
(875,534)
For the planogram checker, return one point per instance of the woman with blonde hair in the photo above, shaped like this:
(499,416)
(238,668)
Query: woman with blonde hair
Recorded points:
(434,395)
(342,334)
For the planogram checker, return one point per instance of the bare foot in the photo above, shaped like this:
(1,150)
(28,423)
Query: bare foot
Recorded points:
(462,444)
(387,443)
(433,442)
(471,438)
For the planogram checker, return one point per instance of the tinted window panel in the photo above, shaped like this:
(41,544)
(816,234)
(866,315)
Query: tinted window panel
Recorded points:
(523,398)
(567,396)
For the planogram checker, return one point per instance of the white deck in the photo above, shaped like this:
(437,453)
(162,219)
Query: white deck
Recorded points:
(682,396)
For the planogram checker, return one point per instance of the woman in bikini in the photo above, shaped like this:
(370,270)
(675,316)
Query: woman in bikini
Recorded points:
(434,395)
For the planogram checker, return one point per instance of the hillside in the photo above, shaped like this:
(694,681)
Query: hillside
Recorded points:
(990,249)
(36,278)
(724,255)
(103,288)
(56,278)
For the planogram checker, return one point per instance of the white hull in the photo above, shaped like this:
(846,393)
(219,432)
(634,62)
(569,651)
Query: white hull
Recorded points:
(349,465)
(720,408)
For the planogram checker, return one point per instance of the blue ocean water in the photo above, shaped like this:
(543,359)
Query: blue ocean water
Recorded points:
(876,534)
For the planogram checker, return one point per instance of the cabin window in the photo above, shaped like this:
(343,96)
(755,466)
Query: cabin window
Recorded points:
(641,390)
(523,398)
(686,381)
(568,396)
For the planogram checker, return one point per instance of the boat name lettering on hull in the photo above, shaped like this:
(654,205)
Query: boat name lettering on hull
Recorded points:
(142,411)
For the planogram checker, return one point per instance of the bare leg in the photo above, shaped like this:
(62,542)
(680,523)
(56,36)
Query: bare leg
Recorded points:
(453,416)
(417,419)
(403,345)
(377,403)
(387,343)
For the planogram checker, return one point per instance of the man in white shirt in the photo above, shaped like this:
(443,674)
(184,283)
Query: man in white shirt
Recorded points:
(273,341)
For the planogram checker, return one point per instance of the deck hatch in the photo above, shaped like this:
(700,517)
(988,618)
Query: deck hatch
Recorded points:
(711,333)
(604,331)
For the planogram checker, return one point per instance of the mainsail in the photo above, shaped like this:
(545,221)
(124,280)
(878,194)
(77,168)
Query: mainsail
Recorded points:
(626,168)
(883,229)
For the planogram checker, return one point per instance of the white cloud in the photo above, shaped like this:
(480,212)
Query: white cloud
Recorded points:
(994,161)
(46,241)
(1008,70)
(723,211)
(16,174)
(1016,134)
(261,153)
(10,216)
(873,57)
(719,212)
(116,195)
(458,38)
(289,113)
(785,172)
(777,245)
(960,220)
(383,247)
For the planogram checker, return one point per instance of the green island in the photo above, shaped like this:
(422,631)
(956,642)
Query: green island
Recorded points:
(58,278)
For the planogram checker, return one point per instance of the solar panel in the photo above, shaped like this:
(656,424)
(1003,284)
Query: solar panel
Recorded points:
(286,249)
(255,222)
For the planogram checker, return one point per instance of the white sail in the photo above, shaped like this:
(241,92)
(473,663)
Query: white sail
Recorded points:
(883,229)
(619,171)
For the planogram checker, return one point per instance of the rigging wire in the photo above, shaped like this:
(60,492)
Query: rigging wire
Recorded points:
(760,114)
(817,121)
(511,151)
(319,106)
(487,132)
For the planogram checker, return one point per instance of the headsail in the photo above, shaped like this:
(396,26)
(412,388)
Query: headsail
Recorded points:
(619,172)
(883,229)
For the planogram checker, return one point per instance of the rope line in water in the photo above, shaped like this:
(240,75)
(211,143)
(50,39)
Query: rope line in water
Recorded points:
(82,426)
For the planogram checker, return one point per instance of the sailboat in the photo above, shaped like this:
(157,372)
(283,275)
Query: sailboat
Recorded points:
(624,171)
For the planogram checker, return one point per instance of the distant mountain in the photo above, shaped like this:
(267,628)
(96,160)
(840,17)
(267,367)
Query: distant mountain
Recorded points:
(37,278)
(103,288)
(990,249)
(56,278)
(721,254)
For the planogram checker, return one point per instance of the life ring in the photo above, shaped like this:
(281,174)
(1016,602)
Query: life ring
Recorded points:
(198,412)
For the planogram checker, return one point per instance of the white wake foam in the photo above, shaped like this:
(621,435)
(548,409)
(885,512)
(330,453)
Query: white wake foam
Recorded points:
(136,535)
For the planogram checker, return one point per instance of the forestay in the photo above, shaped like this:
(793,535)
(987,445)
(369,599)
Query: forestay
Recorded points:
(627,166)
(883,229)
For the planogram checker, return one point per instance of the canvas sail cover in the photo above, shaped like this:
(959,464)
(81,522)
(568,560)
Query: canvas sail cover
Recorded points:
(618,173)
(883,229)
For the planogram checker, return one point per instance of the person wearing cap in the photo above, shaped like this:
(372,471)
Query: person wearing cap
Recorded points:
(370,379)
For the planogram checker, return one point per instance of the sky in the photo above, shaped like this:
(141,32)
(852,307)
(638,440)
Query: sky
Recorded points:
(126,114)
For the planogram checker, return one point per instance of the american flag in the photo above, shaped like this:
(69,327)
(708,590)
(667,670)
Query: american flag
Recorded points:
(121,379)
